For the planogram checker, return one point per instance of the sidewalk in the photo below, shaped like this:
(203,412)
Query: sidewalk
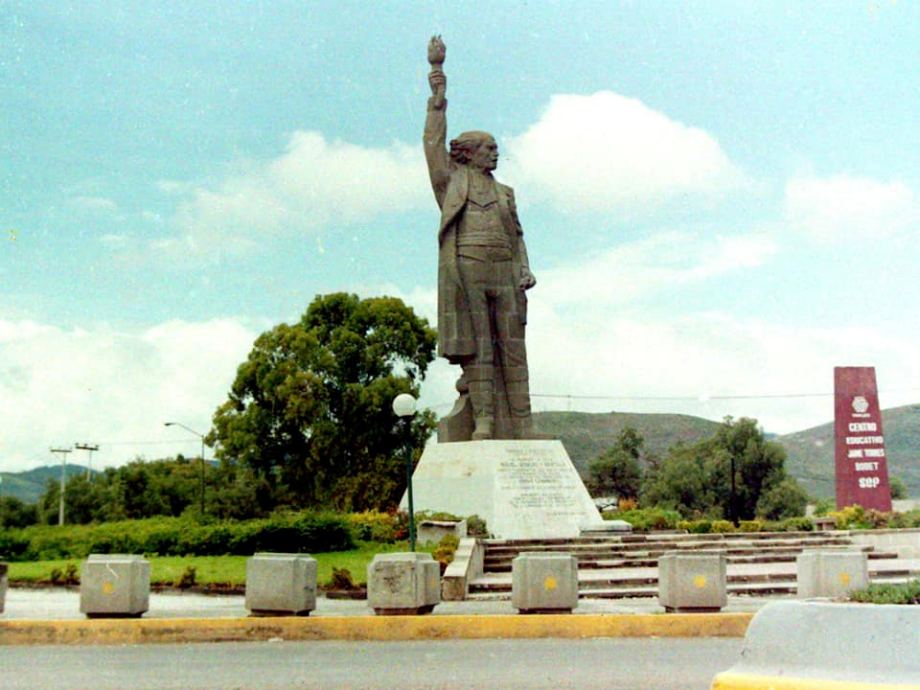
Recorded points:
(64,604)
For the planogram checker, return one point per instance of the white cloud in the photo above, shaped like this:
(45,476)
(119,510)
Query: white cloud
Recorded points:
(608,152)
(100,385)
(703,356)
(663,261)
(96,204)
(315,183)
(842,208)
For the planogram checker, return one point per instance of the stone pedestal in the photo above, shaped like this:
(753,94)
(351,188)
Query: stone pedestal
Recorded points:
(280,584)
(607,527)
(403,583)
(830,573)
(3,585)
(433,531)
(523,489)
(115,586)
(692,582)
(544,582)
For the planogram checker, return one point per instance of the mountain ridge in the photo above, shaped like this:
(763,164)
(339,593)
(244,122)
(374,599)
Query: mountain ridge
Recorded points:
(586,435)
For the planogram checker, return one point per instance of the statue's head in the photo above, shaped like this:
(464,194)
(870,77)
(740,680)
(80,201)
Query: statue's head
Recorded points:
(476,149)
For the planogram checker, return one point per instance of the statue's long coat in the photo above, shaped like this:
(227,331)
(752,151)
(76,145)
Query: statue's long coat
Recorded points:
(450,183)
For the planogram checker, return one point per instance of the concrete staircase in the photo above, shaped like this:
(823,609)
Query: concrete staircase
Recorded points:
(621,566)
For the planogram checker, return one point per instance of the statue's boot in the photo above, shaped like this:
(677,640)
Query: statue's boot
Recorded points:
(480,384)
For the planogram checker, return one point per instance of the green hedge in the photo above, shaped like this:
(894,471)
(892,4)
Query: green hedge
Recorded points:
(292,532)
(905,593)
(646,519)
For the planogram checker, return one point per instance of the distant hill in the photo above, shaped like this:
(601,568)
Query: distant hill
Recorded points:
(29,486)
(811,452)
(586,435)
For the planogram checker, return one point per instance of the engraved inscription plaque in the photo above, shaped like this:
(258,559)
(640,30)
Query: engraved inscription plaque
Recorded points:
(523,489)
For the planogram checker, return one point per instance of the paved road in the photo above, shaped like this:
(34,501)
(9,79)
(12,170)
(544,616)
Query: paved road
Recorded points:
(611,664)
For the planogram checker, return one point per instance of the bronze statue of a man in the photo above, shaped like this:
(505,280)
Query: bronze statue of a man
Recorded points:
(483,272)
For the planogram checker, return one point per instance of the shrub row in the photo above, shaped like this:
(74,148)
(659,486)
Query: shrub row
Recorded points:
(851,517)
(307,532)
(651,519)
(796,524)
(391,527)
(857,517)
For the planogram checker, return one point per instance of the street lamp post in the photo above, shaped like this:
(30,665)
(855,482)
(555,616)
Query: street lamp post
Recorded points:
(404,407)
(201,436)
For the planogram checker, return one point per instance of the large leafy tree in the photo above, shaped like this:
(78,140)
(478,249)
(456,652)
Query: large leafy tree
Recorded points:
(310,409)
(617,471)
(697,479)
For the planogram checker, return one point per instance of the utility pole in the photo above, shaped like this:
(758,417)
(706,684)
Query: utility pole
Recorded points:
(63,452)
(88,447)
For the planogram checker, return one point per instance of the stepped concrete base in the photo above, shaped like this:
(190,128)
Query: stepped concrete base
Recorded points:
(523,489)
(115,586)
(625,566)
(831,573)
(403,584)
(280,584)
(544,583)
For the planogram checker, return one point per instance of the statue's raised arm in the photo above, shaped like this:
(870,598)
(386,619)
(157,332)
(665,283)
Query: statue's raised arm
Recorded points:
(435,135)
(437,51)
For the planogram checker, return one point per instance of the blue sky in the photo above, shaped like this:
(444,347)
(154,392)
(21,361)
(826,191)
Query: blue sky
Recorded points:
(719,198)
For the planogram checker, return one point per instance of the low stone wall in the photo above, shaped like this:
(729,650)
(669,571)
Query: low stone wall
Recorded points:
(467,565)
(906,542)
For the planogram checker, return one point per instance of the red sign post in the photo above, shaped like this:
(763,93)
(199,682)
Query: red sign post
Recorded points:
(861,465)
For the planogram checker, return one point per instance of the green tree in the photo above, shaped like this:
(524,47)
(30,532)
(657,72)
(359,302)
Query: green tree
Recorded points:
(898,488)
(681,482)
(697,479)
(14,513)
(138,489)
(617,471)
(784,500)
(310,408)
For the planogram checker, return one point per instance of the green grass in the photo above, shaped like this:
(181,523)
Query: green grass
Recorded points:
(908,593)
(222,569)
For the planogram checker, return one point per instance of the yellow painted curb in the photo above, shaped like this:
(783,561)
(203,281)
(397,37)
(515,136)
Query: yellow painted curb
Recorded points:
(746,681)
(179,630)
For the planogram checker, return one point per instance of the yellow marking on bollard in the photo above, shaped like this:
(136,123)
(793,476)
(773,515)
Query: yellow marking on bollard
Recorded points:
(107,587)
(549,584)
(699,581)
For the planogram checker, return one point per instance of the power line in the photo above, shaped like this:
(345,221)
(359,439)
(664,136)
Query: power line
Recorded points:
(694,398)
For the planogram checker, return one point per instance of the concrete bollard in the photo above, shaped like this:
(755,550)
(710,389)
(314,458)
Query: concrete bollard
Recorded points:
(692,581)
(798,645)
(403,584)
(830,573)
(114,586)
(280,584)
(544,582)
(3,585)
